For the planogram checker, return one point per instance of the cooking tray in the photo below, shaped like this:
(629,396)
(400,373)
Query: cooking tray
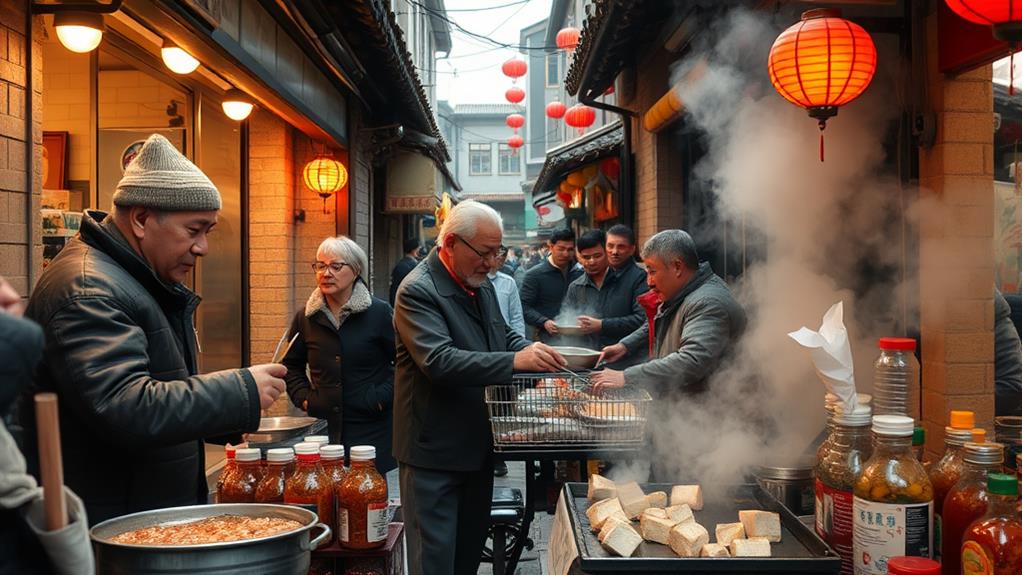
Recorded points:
(800,550)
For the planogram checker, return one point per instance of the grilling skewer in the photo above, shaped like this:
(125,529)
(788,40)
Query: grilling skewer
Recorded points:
(51,465)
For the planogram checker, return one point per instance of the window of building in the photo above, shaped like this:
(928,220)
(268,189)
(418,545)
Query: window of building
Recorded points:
(553,76)
(479,160)
(510,160)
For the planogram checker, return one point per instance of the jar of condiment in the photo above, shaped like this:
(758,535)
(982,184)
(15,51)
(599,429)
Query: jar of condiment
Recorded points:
(839,463)
(892,509)
(912,566)
(280,463)
(332,460)
(991,544)
(967,500)
(319,440)
(309,486)
(919,443)
(362,502)
(946,472)
(240,486)
(230,467)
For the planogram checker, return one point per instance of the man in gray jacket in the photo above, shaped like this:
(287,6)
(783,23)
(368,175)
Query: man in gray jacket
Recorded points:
(697,323)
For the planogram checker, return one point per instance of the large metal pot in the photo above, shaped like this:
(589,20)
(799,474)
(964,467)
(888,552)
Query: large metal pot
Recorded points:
(792,485)
(283,554)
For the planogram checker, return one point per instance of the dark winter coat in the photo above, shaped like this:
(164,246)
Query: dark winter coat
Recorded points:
(543,292)
(121,354)
(615,303)
(397,275)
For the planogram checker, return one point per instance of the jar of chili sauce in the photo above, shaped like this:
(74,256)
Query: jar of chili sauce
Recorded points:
(993,544)
(280,463)
(332,460)
(946,472)
(967,500)
(362,502)
(230,467)
(240,486)
(309,486)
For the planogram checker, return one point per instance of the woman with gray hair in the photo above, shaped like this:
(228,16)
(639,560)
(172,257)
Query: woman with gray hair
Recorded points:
(347,342)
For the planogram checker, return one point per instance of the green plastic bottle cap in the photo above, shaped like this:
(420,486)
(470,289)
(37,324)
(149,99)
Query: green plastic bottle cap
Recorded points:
(1002,484)
(918,436)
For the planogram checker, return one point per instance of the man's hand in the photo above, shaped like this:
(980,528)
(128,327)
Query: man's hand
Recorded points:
(607,379)
(268,382)
(550,327)
(613,353)
(10,301)
(539,357)
(590,324)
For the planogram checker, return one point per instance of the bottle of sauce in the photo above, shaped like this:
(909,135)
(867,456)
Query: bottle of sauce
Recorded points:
(362,503)
(240,486)
(993,544)
(967,500)
(309,486)
(319,440)
(279,466)
(839,462)
(919,443)
(946,472)
(230,467)
(892,509)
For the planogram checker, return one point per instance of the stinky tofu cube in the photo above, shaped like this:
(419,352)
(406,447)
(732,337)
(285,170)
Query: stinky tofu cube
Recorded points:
(601,488)
(622,540)
(728,532)
(714,550)
(611,522)
(599,511)
(655,528)
(687,539)
(654,512)
(752,547)
(692,495)
(761,524)
(657,499)
(632,499)
(680,513)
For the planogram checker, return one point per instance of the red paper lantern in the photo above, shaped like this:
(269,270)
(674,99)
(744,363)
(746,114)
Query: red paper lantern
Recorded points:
(821,63)
(515,121)
(580,116)
(567,38)
(555,110)
(515,142)
(514,68)
(514,94)
(1004,16)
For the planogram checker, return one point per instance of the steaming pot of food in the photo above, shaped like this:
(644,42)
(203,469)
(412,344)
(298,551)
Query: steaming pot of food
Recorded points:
(578,357)
(217,540)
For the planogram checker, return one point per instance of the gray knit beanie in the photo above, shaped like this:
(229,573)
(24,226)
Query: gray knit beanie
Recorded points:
(161,178)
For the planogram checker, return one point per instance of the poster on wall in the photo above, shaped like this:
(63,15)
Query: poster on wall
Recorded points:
(54,166)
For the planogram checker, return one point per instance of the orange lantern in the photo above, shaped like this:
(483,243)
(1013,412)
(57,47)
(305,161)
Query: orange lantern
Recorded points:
(567,38)
(325,176)
(514,94)
(821,63)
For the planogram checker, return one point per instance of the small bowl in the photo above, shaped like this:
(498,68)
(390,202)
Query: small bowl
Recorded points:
(569,330)
(578,357)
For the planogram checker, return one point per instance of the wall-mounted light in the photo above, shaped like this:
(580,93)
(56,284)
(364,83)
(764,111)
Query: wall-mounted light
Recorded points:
(237,104)
(79,32)
(175,58)
(325,176)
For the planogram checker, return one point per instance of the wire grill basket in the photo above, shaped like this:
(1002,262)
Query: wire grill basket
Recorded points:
(554,411)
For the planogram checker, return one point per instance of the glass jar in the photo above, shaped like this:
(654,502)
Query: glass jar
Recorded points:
(967,500)
(309,486)
(332,460)
(839,462)
(892,509)
(279,463)
(230,467)
(919,443)
(319,440)
(895,377)
(991,544)
(1008,432)
(946,472)
(240,486)
(362,503)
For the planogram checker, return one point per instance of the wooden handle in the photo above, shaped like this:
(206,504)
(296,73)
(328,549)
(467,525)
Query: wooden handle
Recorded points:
(51,466)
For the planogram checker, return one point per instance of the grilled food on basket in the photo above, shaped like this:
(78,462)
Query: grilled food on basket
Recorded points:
(609,411)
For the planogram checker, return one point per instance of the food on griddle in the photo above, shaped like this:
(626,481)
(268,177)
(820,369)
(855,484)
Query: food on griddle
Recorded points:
(680,513)
(751,547)
(609,410)
(691,495)
(654,512)
(657,499)
(601,488)
(598,512)
(714,550)
(761,524)
(632,499)
(687,539)
(728,532)
(610,523)
(655,528)
(217,529)
(552,382)
(622,540)
(565,403)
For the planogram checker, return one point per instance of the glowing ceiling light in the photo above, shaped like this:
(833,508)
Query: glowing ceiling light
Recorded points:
(179,61)
(237,104)
(79,32)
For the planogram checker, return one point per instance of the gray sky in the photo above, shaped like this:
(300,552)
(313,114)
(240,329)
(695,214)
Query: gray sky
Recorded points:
(471,74)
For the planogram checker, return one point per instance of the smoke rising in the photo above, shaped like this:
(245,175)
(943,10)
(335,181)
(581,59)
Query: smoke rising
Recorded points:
(830,231)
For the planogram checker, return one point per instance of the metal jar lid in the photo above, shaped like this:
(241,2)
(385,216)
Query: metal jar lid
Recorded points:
(802,470)
(987,453)
(954,436)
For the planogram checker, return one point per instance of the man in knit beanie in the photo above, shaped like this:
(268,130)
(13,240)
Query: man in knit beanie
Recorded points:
(122,352)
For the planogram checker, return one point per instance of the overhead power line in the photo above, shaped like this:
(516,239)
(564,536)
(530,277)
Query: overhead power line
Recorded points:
(482,37)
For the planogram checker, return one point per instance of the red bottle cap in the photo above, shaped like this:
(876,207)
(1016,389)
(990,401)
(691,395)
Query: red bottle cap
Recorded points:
(904,343)
(912,566)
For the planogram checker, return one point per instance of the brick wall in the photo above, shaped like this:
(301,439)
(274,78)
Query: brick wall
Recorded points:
(956,251)
(360,190)
(14,230)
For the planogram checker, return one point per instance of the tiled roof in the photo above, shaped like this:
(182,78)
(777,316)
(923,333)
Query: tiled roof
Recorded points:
(601,143)
(483,109)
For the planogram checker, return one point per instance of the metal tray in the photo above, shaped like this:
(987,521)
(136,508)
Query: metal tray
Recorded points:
(800,549)
(278,429)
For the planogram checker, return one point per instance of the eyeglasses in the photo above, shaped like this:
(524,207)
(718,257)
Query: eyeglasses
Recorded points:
(335,267)
(492,254)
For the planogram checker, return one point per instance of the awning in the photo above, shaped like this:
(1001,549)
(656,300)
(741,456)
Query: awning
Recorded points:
(601,143)
(412,184)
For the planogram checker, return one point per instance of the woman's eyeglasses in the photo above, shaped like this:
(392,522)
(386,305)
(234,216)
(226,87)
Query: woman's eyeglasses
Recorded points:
(335,267)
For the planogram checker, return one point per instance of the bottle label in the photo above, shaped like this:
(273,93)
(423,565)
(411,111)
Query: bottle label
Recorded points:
(342,524)
(974,560)
(834,522)
(885,530)
(376,526)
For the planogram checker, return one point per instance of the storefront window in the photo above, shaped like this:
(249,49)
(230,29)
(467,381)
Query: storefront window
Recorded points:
(510,160)
(479,159)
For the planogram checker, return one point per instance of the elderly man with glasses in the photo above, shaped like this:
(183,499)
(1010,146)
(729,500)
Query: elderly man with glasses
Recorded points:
(452,342)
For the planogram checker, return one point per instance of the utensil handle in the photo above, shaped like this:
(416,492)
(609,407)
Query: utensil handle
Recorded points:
(51,465)
(318,540)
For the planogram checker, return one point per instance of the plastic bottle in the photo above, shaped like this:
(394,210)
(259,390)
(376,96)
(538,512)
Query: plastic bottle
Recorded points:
(309,486)
(992,544)
(230,467)
(895,376)
(912,566)
(240,486)
(838,464)
(279,466)
(332,460)
(362,514)
(946,472)
(892,511)
(319,440)
(967,500)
